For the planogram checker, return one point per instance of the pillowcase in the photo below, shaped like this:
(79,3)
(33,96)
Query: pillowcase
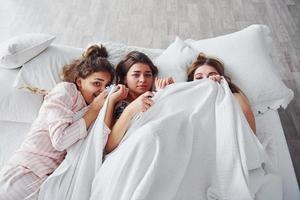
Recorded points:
(18,50)
(118,51)
(175,60)
(43,72)
(16,105)
(247,59)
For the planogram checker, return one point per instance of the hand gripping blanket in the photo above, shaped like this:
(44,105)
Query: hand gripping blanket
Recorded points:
(73,178)
(193,143)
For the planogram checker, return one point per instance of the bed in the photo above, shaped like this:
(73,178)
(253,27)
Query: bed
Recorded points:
(23,88)
(13,133)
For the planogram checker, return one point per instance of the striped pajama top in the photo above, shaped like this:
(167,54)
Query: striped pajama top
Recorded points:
(54,130)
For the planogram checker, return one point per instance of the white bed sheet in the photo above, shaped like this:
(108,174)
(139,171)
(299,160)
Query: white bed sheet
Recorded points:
(11,136)
(269,130)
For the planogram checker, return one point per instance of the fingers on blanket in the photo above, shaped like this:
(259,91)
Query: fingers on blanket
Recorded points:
(147,101)
(120,93)
(163,82)
(216,77)
(98,101)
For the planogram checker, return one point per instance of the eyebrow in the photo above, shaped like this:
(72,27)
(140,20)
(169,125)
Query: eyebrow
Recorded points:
(99,79)
(140,71)
(208,73)
(198,73)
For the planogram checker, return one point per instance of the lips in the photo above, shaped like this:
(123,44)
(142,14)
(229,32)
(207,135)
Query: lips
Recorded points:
(142,86)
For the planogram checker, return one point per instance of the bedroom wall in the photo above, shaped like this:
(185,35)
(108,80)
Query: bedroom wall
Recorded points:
(156,23)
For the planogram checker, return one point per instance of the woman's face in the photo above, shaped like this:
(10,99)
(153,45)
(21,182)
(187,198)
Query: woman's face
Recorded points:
(139,78)
(93,85)
(204,71)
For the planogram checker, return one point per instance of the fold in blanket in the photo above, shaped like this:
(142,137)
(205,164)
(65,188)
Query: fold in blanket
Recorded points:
(194,143)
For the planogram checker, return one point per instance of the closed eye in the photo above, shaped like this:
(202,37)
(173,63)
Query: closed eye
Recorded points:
(198,76)
(213,73)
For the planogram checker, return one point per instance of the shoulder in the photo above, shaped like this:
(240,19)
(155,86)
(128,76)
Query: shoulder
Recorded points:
(243,101)
(65,87)
(239,95)
(63,90)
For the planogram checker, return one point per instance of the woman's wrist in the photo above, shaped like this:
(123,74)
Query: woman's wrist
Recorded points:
(129,112)
(113,101)
(90,116)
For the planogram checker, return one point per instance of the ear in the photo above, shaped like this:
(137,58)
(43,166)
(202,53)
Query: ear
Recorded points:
(78,82)
(125,80)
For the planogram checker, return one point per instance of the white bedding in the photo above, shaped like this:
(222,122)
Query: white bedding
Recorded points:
(268,126)
(194,143)
(11,137)
(271,135)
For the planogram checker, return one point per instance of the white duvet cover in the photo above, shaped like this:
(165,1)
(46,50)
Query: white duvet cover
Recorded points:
(194,143)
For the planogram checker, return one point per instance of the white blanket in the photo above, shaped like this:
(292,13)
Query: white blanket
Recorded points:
(194,143)
(73,178)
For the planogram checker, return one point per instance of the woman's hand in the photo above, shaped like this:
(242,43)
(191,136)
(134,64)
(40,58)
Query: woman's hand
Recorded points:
(162,83)
(216,77)
(141,104)
(120,94)
(98,102)
(95,107)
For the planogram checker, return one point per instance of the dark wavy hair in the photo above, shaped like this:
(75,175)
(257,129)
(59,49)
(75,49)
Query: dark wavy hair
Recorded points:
(130,59)
(94,59)
(201,60)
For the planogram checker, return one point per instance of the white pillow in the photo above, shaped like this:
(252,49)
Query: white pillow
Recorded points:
(16,105)
(175,60)
(247,59)
(18,50)
(43,72)
(117,51)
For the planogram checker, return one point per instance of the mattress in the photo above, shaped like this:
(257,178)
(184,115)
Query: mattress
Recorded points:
(269,132)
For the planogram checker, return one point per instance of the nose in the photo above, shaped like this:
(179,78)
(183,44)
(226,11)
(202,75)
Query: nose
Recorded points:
(206,75)
(142,78)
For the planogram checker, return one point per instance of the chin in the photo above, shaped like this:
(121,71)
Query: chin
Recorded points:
(88,101)
(142,91)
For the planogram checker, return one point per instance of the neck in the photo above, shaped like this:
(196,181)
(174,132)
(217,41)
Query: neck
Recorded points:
(132,96)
